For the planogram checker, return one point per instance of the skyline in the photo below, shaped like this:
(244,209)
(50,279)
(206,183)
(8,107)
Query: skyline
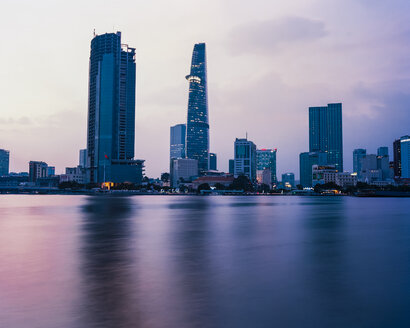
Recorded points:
(373,101)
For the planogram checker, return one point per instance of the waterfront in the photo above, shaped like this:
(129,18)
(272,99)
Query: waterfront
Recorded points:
(191,261)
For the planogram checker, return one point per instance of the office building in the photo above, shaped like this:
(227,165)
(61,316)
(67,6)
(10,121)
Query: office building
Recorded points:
(325,133)
(264,177)
(51,171)
(346,179)
(111,112)
(374,168)
(405,156)
(212,162)
(177,141)
(358,154)
(83,158)
(266,159)
(232,166)
(74,174)
(322,174)
(383,151)
(183,170)
(288,180)
(197,130)
(397,156)
(4,162)
(245,158)
(306,161)
(37,170)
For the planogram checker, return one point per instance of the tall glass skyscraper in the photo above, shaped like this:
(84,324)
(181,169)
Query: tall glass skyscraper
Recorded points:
(266,159)
(4,162)
(325,133)
(177,141)
(197,138)
(111,111)
(358,154)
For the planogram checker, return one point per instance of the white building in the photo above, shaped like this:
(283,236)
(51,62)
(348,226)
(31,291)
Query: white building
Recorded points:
(322,174)
(183,170)
(74,174)
(346,179)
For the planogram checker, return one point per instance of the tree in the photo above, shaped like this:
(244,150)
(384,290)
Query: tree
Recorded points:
(299,187)
(70,185)
(165,177)
(203,186)
(242,182)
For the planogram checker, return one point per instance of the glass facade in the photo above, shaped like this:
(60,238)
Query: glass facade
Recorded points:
(266,159)
(177,141)
(111,107)
(197,136)
(325,133)
(358,154)
(4,162)
(245,158)
(212,162)
(306,161)
(405,156)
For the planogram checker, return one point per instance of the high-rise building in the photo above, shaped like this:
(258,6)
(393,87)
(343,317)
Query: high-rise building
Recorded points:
(383,151)
(212,161)
(177,141)
(183,170)
(83,158)
(111,112)
(231,166)
(358,154)
(37,170)
(288,180)
(397,156)
(197,134)
(266,159)
(325,133)
(306,161)
(4,162)
(245,158)
(405,156)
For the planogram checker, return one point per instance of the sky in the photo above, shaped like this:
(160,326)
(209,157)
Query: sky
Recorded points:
(268,61)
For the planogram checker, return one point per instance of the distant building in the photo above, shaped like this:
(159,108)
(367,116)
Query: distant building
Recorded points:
(51,171)
(306,161)
(288,180)
(74,174)
(212,162)
(245,158)
(405,156)
(183,170)
(197,130)
(177,141)
(383,151)
(4,162)
(325,133)
(358,154)
(374,168)
(266,159)
(264,177)
(232,166)
(212,181)
(322,174)
(37,170)
(83,158)
(397,158)
(346,179)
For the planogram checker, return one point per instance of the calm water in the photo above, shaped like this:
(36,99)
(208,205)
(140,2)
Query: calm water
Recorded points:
(153,261)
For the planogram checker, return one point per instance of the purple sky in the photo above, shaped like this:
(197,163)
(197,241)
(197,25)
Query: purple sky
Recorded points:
(268,61)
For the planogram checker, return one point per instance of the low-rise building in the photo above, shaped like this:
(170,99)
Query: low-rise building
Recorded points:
(74,174)
(322,174)
(212,181)
(346,179)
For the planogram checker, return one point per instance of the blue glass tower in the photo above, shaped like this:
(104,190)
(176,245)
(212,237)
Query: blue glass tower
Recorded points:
(111,111)
(325,133)
(197,138)
(177,141)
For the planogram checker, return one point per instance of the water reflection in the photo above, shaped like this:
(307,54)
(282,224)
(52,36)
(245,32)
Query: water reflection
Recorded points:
(107,264)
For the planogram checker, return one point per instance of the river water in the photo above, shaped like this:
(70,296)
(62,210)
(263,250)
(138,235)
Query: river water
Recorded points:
(188,261)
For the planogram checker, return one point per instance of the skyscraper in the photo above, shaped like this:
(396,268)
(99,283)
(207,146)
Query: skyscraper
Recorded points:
(383,151)
(405,156)
(266,159)
(177,141)
(83,158)
(325,133)
(111,111)
(197,138)
(358,154)
(397,158)
(288,180)
(212,162)
(4,162)
(245,158)
(306,161)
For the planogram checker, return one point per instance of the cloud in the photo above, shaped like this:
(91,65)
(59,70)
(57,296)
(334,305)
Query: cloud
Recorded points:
(267,36)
